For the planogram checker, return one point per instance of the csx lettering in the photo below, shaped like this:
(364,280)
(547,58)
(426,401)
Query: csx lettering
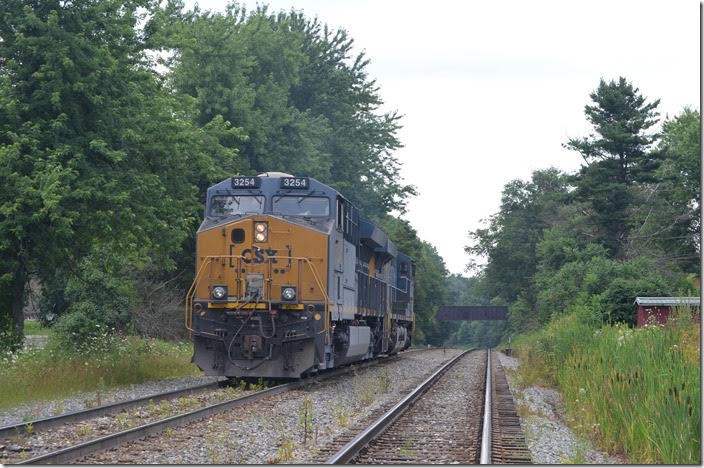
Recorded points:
(258,255)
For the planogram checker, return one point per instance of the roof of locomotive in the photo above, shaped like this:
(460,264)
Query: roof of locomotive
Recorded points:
(270,184)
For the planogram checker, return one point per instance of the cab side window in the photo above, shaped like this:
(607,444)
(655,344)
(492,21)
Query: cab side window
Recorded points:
(403,269)
(340,214)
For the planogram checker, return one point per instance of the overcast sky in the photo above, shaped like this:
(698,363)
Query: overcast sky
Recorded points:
(490,89)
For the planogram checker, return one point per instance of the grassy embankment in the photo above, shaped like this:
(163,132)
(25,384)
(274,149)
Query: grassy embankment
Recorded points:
(633,391)
(54,372)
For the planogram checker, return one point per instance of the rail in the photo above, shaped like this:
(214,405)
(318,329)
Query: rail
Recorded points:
(211,258)
(352,448)
(485,453)
(54,421)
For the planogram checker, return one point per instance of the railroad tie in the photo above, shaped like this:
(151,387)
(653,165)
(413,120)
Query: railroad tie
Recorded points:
(508,439)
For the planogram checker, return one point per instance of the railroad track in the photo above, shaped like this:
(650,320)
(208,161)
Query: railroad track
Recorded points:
(441,421)
(89,413)
(80,450)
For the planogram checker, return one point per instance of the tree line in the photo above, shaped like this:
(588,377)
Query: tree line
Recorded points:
(626,224)
(117,115)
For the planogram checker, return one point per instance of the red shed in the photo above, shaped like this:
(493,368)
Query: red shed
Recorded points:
(658,309)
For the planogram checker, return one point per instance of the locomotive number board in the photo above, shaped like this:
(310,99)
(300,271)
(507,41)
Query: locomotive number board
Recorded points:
(295,182)
(246,182)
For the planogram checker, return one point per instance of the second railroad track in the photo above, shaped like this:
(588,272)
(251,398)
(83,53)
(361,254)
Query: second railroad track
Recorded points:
(441,421)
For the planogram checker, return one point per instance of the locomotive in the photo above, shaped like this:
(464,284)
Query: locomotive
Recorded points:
(291,280)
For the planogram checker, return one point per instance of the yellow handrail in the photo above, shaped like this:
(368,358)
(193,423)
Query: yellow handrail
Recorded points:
(209,259)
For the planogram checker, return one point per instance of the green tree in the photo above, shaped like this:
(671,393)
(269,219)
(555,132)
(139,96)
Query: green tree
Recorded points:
(616,156)
(334,84)
(95,152)
(676,227)
(482,333)
(462,290)
(304,103)
(509,241)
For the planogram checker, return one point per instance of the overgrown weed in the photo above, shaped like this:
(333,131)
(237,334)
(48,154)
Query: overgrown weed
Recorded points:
(635,391)
(306,419)
(342,415)
(55,372)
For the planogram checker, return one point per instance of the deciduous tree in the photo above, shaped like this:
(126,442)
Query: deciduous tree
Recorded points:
(94,151)
(302,97)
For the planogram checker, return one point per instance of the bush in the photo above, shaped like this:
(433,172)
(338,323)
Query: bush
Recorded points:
(158,311)
(52,300)
(544,351)
(10,340)
(522,316)
(605,285)
(100,297)
(617,301)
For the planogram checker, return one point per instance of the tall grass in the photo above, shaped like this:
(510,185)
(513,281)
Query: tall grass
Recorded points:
(636,391)
(54,372)
(33,327)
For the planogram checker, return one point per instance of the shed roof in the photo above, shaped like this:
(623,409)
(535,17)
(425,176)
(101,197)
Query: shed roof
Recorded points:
(667,301)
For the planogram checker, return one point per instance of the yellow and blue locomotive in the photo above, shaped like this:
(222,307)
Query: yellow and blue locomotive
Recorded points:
(290,280)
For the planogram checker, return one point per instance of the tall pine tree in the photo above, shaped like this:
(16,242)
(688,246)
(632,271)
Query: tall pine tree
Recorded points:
(616,156)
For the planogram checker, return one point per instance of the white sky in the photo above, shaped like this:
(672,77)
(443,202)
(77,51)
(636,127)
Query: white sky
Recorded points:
(490,89)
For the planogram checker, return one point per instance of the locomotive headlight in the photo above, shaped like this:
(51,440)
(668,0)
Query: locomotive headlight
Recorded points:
(261,232)
(288,293)
(219,292)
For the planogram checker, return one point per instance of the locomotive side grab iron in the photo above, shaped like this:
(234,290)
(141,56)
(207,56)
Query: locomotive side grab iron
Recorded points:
(290,279)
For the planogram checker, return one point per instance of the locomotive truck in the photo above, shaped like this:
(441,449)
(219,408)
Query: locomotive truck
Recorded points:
(291,280)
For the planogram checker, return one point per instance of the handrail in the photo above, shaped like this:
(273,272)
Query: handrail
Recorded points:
(210,258)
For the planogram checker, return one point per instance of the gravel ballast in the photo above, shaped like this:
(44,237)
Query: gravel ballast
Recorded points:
(272,430)
(80,401)
(549,439)
(29,444)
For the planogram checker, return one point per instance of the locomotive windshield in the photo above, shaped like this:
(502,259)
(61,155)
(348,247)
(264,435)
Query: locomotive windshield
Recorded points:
(230,205)
(302,206)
